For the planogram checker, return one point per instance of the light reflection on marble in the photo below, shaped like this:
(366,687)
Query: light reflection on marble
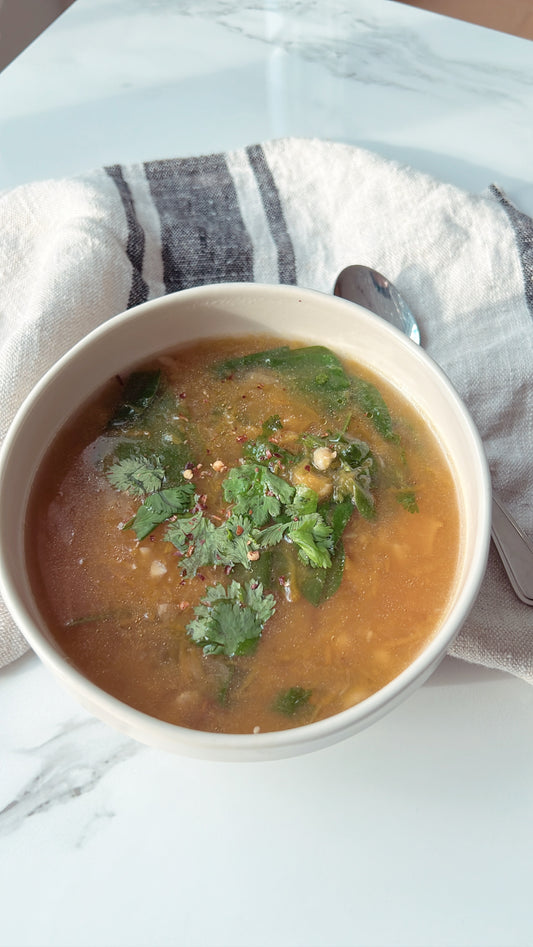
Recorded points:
(107,842)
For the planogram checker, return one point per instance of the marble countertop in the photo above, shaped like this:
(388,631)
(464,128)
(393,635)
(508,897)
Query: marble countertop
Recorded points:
(418,831)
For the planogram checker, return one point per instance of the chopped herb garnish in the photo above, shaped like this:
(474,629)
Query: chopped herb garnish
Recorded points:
(201,543)
(310,533)
(407,498)
(313,538)
(230,621)
(305,500)
(159,507)
(194,537)
(136,475)
(257,492)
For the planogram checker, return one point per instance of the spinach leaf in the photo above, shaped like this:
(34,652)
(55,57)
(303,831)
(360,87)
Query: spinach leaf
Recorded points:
(264,451)
(372,403)
(291,701)
(313,369)
(318,372)
(138,393)
(318,585)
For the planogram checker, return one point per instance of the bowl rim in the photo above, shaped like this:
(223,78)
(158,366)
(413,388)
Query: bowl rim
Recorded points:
(294,739)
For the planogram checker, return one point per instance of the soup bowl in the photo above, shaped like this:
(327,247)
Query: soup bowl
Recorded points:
(204,313)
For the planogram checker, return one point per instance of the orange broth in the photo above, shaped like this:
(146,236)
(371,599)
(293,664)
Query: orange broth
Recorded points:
(120,607)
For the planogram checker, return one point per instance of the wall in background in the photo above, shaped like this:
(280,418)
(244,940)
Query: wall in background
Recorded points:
(508,16)
(21,21)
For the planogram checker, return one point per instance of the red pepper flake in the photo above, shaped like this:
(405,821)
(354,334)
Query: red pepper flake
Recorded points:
(239,530)
(308,467)
(182,394)
(242,439)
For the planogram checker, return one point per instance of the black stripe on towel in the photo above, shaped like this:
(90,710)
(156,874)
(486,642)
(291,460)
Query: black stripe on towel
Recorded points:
(274,214)
(204,238)
(523,228)
(135,243)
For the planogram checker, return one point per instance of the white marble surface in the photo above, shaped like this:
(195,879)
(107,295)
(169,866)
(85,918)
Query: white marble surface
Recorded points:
(418,832)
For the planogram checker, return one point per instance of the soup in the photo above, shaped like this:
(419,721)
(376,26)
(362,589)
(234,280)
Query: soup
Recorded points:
(244,536)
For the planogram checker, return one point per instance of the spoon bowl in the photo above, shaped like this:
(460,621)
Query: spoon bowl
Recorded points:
(363,285)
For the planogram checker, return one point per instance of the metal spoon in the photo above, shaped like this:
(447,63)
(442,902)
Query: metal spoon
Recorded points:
(368,288)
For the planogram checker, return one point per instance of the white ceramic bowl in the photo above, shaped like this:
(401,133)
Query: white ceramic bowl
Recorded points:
(238,309)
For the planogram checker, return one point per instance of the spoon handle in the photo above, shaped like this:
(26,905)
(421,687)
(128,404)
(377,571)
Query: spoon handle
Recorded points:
(515,549)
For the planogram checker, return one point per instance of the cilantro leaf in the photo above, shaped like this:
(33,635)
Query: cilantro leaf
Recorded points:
(407,498)
(159,507)
(201,543)
(271,535)
(313,537)
(193,536)
(310,533)
(233,542)
(305,500)
(230,620)
(256,492)
(291,701)
(136,475)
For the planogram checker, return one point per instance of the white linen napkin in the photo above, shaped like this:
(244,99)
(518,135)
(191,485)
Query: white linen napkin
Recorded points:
(75,252)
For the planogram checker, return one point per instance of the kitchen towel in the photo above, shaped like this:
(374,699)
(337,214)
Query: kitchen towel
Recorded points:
(75,252)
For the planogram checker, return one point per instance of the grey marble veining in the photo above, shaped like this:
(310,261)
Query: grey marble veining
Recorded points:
(69,764)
